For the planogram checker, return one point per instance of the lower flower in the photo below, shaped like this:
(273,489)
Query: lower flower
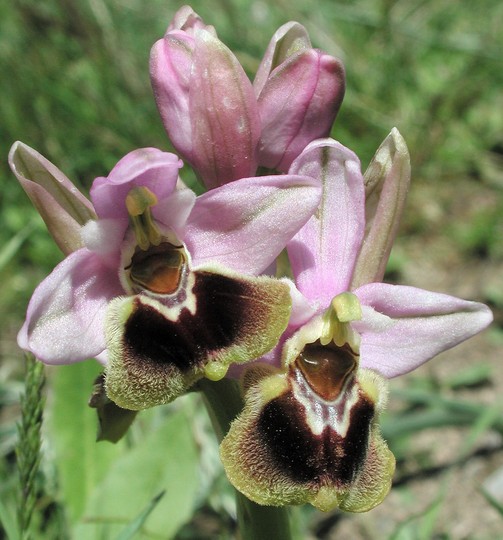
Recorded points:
(309,432)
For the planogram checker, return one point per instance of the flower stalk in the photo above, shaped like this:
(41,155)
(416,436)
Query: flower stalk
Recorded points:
(223,402)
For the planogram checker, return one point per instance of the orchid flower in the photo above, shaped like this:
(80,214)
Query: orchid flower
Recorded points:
(309,431)
(161,284)
(221,124)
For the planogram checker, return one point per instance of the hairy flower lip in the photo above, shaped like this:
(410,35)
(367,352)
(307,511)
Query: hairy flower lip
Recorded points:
(288,449)
(224,318)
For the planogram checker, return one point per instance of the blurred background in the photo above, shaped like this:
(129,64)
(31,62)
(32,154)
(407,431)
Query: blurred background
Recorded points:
(75,87)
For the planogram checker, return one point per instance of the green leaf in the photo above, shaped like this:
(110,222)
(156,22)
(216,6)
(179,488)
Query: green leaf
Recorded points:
(166,459)
(11,248)
(129,532)
(82,463)
(8,521)
(486,419)
(421,525)
(113,421)
(472,376)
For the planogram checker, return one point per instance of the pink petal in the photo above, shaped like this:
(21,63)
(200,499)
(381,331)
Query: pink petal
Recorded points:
(65,319)
(302,310)
(324,251)
(403,327)
(63,208)
(147,167)
(244,225)
(104,237)
(175,210)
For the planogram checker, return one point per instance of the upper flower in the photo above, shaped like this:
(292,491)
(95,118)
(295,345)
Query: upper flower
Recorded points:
(221,124)
(309,429)
(162,285)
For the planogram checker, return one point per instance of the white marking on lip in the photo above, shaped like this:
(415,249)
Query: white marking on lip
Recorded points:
(320,413)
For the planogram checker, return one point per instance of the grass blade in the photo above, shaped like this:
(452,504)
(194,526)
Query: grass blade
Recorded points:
(28,447)
(129,532)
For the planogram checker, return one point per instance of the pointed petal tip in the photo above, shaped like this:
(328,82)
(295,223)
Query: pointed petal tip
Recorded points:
(387,181)
(62,206)
(15,150)
(486,316)
(404,327)
(399,142)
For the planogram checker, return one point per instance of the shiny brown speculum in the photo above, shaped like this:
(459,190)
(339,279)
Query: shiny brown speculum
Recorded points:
(326,368)
(158,269)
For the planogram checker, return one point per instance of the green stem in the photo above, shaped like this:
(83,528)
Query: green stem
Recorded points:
(223,402)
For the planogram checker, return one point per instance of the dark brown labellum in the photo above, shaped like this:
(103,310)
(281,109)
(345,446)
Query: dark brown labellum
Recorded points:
(292,448)
(223,306)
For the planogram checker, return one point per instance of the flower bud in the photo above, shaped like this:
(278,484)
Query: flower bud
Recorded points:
(288,39)
(299,91)
(206,102)
(188,20)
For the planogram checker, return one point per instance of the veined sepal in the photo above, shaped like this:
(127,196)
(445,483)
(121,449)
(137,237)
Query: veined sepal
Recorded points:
(62,207)
(387,180)
(157,350)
